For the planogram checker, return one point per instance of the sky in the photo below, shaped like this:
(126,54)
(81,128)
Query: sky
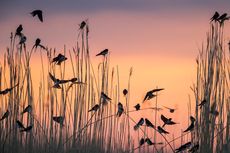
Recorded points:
(160,39)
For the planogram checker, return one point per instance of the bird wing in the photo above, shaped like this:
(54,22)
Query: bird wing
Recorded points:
(156,90)
(52,77)
(40,17)
(163,118)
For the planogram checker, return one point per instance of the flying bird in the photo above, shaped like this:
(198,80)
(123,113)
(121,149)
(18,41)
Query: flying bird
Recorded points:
(57,82)
(195,148)
(137,107)
(215,17)
(27,129)
(150,94)
(20,125)
(59,119)
(140,123)
(171,110)
(7,90)
(120,109)
(203,102)
(19,31)
(37,13)
(192,125)
(5,115)
(125,92)
(103,53)
(167,121)
(161,130)
(28,109)
(149,124)
(59,59)
(94,108)
(183,147)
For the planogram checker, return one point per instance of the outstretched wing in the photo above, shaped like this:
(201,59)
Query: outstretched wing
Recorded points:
(52,77)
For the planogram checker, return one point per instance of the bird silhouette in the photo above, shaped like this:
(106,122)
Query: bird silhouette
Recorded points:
(28,109)
(142,141)
(57,82)
(149,124)
(148,141)
(20,125)
(192,125)
(94,108)
(203,102)
(137,107)
(223,18)
(150,94)
(183,147)
(7,90)
(103,53)
(125,92)
(215,17)
(59,59)
(83,24)
(19,31)
(161,130)
(37,13)
(120,109)
(140,123)
(5,115)
(194,149)
(105,98)
(27,129)
(38,44)
(59,119)
(167,121)
(22,39)
(171,110)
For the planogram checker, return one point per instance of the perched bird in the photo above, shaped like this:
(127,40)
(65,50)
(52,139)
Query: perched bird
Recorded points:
(167,121)
(171,110)
(28,109)
(94,108)
(22,39)
(59,119)
(148,123)
(140,123)
(83,24)
(38,43)
(125,92)
(192,125)
(7,90)
(59,59)
(142,141)
(137,107)
(57,82)
(27,129)
(183,147)
(105,98)
(120,109)
(161,130)
(203,102)
(37,13)
(5,115)
(215,17)
(20,125)
(19,31)
(195,148)
(148,141)
(103,53)
(149,95)
(223,16)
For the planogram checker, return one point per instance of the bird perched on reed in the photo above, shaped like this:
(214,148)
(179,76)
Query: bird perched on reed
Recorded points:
(27,129)
(59,119)
(183,147)
(150,94)
(28,109)
(149,124)
(120,109)
(103,53)
(223,18)
(7,90)
(140,123)
(94,108)
(105,98)
(57,82)
(5,115)
(19,31)
(203,102)
(192,125)
(83,24)
(137,107)
(22,39)
(20,125)
(38,44)
(167,121)
(161,130)
(125,92)
(215,17)
(142,141)
(38,13)
(59,59)
(171,110)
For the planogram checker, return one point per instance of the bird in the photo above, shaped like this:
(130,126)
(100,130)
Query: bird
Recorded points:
(103,53)
(57,82)
(22,39)
(142,141)
(149,95)
(28,109)
(105,98)
(27,129)
(140,123)
(171,110)
(203,102)
(149,124)
(59,59)
(195,148)
(5,115)
(7,90)
(192,125)
(120,109)
(37,13)
(183,147)
(125,92)
(148,141)
(137,107)
(59,119)
(167,121)
(161,130)
(223,16)
(94,108)
(83,24)
(19,31)
(38,43)
(215,17)
(20,125)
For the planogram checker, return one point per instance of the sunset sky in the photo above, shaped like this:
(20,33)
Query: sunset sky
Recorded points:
(160,39)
